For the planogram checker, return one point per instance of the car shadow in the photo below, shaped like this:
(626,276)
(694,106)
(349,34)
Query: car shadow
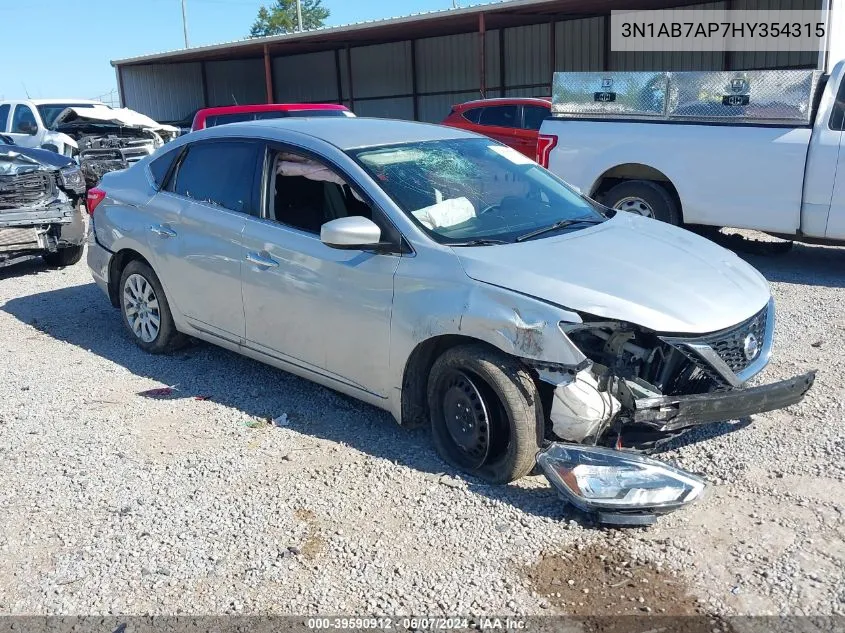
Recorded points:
(82,316)
(25,266)
(805,264)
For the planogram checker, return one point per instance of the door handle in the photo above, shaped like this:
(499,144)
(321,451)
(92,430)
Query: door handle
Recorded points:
(260,260)
(162,231)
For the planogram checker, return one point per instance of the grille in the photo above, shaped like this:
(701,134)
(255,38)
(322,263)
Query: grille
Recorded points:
(25,190)
(13,238)
(730,344)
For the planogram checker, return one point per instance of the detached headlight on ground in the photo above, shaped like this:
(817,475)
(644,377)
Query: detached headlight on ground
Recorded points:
(72,179)
(623,488)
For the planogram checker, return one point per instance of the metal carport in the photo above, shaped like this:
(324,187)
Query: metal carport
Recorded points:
(416,67)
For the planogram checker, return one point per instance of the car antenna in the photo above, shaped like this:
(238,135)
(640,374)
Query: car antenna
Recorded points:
(25,90)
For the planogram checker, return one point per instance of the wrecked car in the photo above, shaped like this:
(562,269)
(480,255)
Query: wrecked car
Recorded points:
(100,137)
(108,139)
(41,200)
(452,281)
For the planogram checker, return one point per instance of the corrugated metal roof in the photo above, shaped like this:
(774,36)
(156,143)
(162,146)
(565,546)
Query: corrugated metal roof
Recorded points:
(315,34)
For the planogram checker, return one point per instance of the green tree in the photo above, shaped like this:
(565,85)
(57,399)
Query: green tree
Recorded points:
(280,17)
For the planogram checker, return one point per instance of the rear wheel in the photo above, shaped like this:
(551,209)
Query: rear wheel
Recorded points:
(64,256)
(146,313)
(486,416)
(643,197)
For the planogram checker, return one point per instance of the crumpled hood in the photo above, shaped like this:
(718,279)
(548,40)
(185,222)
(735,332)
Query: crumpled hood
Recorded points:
(15,159)
(628,268)
(117,116)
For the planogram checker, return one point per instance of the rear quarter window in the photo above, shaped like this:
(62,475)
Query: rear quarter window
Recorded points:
(533,116)
(473,115)
(160,167)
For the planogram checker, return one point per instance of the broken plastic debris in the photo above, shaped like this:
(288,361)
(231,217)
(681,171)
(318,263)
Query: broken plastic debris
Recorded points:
(257,423)
(282,420)
(161,392)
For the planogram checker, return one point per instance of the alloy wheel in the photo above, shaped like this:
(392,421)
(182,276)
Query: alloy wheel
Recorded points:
(140,305)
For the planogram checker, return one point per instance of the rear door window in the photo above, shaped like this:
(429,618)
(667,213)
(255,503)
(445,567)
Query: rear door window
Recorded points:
(222,119)
(315,113)
(272,114)
(220,173)
(499,116)
(533,116)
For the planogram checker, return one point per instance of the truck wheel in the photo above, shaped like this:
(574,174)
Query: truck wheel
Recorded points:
(643,197)
(486,416)
(145,311)
(65,256)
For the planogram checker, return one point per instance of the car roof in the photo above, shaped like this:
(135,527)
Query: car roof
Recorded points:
(78,101)
(506,101)
(343,132)
(269,107)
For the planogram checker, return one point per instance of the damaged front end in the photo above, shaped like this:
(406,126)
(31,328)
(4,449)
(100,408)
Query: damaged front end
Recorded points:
(639,389)
(40,195)
(110,139)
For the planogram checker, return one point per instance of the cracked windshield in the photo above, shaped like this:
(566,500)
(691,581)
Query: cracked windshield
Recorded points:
(472,192)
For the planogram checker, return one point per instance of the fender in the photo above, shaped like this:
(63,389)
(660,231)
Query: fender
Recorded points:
(447,304)
(60,141)
(630,154)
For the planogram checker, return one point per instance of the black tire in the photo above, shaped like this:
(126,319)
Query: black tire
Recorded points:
(655,195)
(65,256)
(167,338)
(514,413)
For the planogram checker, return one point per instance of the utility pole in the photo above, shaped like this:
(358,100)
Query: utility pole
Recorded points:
(185,23)
(299,15)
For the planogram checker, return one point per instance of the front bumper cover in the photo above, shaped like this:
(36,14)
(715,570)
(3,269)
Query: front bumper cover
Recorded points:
(672,413)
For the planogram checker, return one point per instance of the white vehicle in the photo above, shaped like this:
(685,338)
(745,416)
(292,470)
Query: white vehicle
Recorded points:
(29,123)
(747,149)
(100,138)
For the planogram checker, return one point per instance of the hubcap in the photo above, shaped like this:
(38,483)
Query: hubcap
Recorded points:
(632,204)
(140,305)
(466,416)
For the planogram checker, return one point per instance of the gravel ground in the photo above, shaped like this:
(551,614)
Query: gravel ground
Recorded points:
(112,502)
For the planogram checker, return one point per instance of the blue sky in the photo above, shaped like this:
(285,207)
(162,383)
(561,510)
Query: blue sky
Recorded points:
(62,48)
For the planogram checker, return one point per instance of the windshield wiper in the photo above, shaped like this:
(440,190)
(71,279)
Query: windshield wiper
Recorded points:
(560,224)
(478,242)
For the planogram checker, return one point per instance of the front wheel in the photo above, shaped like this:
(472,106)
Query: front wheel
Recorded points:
(64,256)
(486,416)
(643,197)
(146,313)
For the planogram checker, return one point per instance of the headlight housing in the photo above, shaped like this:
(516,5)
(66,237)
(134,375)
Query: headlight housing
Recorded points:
(72,178)
(624,488)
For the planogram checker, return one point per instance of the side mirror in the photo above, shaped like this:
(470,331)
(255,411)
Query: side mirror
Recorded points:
(352,232)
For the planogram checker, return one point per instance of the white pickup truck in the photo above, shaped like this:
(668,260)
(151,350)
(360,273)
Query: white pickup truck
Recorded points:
(746,149)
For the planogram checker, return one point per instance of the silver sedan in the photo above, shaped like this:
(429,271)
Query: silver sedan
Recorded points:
(445,278)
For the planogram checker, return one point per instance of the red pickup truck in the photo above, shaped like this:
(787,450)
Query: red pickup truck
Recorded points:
(209,117)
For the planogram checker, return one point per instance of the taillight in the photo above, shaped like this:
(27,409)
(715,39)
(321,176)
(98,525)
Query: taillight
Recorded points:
(95,197)
(545,144)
